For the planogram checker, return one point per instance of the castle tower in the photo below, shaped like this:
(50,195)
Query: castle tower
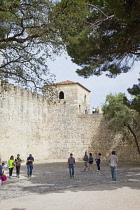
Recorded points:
(74,96)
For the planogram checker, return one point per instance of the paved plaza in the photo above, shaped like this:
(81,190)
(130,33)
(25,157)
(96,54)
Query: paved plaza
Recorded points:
(50,188)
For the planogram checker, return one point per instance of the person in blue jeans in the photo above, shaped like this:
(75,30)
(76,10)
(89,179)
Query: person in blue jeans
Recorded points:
(113,162)
(71,162)
(98,160)
(90,161)
(29,164)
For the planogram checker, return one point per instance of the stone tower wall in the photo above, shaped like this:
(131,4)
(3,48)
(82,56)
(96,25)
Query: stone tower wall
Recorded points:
(76,97)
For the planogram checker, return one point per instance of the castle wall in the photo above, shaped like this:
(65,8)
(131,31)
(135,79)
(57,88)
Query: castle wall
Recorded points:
(29,125)
(79,133)
(22,123)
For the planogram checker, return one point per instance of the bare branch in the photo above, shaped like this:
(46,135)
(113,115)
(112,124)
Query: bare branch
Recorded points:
(91,5)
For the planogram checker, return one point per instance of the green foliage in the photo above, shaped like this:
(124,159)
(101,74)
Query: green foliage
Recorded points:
(111,38)
(99,35)
(121,118)
(31,32)
(26,31)
(116,112)
(135,102)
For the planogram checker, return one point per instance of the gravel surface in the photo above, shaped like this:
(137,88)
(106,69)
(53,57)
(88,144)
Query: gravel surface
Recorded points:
(50,176)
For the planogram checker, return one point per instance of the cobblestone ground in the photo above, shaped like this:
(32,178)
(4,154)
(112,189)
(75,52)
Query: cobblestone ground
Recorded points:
(52,176)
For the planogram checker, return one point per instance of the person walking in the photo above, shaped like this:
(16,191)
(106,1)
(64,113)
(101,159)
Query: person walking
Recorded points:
(98,161)
(113,162)
(85,161)
(18,164)
(90,161)
(71,162)
(29,164)
(11,165)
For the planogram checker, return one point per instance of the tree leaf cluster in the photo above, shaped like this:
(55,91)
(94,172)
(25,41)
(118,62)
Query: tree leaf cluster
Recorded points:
(121,118)
(111,39)
(31,32)
(135,102)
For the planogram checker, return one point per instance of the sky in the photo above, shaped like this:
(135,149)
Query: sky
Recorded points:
(99,86)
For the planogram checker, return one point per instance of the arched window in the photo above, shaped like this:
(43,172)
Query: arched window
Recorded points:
(61,95)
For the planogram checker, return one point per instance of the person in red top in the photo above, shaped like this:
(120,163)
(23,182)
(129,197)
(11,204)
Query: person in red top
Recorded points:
(71,162)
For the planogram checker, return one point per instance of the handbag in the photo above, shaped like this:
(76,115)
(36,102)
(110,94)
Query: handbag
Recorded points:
(13,164)
(3,177)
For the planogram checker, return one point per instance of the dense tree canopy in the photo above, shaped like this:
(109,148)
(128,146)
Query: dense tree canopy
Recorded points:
(121,118)
(110,41)
(135,102)
(99,35)
(31,32)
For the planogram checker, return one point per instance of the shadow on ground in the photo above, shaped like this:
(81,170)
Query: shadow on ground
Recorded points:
(52,177)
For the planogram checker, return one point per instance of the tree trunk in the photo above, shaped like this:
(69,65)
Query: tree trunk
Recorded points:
(135,137)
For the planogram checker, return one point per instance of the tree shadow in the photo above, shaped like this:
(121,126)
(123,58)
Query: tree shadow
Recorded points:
(18,209)
(105,141)
(55,177)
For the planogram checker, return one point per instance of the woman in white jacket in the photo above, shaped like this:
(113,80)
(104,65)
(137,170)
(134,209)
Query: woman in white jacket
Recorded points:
(113,162)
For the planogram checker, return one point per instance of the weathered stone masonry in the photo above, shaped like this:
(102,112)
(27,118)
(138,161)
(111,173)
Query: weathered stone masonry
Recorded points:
(29,125)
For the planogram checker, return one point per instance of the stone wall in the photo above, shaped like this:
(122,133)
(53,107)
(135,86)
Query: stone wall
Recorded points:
(29,125)
(22,123)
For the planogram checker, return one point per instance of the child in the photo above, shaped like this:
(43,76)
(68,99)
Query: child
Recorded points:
(3,167)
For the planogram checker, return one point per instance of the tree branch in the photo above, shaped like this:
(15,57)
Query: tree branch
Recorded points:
(134,135)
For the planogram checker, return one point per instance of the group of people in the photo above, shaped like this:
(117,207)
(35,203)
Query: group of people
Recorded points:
(95,110)
(16,163)
(88,163)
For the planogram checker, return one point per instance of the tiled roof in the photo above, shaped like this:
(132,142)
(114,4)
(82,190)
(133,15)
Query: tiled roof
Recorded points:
(65,82)
(68,82)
